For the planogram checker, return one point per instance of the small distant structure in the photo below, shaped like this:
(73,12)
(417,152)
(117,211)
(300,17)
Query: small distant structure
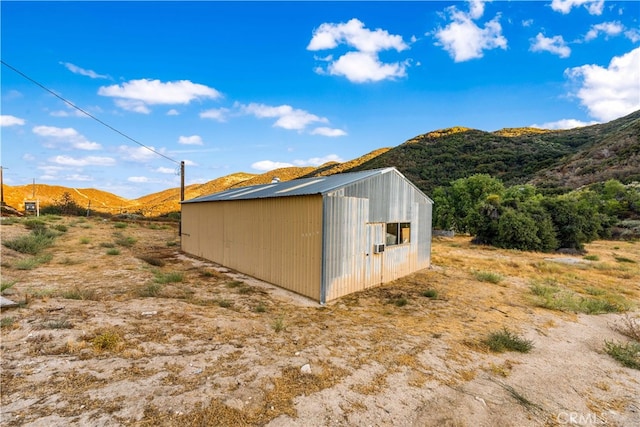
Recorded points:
(32,207)
(275,180)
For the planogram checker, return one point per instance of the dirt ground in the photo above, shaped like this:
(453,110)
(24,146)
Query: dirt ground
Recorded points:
(117,327)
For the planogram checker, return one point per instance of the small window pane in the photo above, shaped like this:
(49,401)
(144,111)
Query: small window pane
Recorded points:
(405,232)
(392,234)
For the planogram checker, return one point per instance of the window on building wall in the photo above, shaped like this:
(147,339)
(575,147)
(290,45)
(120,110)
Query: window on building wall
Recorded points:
(398,233)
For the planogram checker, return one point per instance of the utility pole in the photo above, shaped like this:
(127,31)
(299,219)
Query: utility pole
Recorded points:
(2,186)
(182,181)
(181,195)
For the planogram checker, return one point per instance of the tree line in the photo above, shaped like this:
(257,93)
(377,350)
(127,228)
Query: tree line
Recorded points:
(521,217)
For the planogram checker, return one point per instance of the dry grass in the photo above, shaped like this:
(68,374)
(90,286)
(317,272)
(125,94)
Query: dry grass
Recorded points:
(177,330)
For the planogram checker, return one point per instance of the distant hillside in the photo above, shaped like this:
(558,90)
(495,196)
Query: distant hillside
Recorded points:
(614,154)
(557,160)
(561,159)
(49,194)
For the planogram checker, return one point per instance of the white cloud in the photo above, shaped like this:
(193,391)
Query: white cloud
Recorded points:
(476,8)
(219,114)
(633,35)
(65,113)
(594,7)
(6,120)
(77,70)
(190,163)
(83,161)
(325,131)
(139,154)
(173,112)
(165,170)
(564,124)
(65,136)
(353,33)
(133,106)
(137,95)
(555,45)
(464,40)
(138,179)
(317,161)
(610,29)
(28,157)
(267,165)
(287,116)
(190,140)
(78,177)
(611,92)
(362,65)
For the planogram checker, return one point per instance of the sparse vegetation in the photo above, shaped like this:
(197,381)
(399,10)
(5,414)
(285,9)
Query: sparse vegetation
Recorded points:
(113,251)
(624,259)
(85,240)
(32,243)
(7,322)
(126,241)
(57,324)
(120,225)
(151,260)
(505,340)
(430,293)
(629,327)
(33,262)
(488,276)
(150,290)
(556,298)
(6,285)
(77,293)
(278,324)
(109,340)
(628,354)
(225,303)
(170,277)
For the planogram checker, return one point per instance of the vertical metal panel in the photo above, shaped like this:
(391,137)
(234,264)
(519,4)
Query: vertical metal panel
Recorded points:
(277,239)
(345,245)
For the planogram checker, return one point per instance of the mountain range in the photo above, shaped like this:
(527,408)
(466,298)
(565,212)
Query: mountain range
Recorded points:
(553,160)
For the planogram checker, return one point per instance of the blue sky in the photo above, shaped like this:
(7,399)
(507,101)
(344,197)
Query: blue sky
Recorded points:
(251,86)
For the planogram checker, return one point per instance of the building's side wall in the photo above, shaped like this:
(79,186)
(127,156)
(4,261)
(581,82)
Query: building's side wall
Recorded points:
(355,218)
(278,240)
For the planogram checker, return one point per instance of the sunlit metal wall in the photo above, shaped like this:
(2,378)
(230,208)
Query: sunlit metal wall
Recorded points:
(355,217)
(278,240)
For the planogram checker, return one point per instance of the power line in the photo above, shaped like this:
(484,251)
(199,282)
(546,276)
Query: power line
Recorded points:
(85,112)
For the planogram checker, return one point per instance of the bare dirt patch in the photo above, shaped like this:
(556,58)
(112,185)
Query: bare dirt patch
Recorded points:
(119,327)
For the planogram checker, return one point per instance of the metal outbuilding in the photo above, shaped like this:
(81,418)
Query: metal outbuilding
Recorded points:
(321,237)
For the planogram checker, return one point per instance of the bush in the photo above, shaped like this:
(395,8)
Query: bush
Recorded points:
(628,354)
(32,243)
(506,340)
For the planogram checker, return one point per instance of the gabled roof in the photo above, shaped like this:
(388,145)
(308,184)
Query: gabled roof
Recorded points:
(295,187)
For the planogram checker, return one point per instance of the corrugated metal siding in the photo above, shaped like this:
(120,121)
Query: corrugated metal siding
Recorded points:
(278,240)
(345,245)
(281,240)
(355,218)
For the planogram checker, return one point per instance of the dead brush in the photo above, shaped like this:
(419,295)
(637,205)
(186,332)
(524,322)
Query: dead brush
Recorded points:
(629,327)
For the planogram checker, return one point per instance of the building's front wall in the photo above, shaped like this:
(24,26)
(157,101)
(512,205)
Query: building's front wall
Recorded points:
(355,220)
(278,240)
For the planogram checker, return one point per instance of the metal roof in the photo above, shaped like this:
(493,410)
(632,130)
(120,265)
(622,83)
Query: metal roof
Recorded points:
(295,187)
